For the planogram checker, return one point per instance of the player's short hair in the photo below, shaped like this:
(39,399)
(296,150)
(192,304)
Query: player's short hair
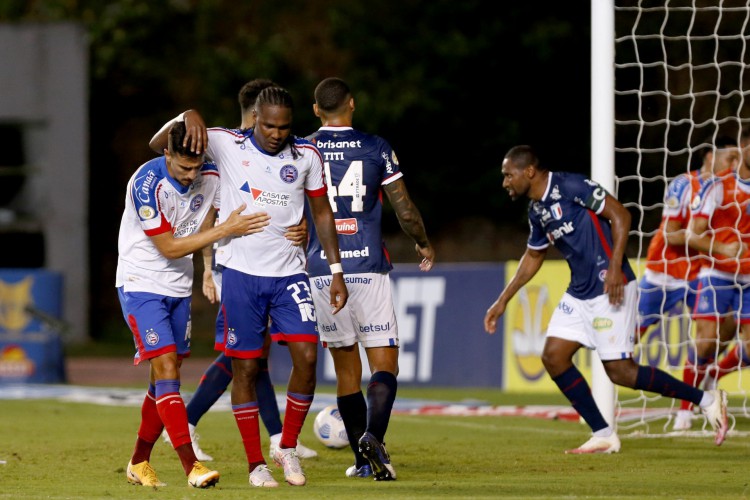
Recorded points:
(176,137)
(249,92)
(331,94)
(523,156)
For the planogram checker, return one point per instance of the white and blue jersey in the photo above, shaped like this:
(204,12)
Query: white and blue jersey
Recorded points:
(567,216)
(156,203)
(357,165)
(275,184)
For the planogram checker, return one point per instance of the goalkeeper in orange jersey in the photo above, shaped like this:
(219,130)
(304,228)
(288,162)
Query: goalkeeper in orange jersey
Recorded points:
(598,310)
(671,275)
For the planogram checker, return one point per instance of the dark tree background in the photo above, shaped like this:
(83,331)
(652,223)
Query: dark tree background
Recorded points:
(451,85)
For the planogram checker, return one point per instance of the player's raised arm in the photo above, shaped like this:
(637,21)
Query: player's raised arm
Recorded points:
(196,136)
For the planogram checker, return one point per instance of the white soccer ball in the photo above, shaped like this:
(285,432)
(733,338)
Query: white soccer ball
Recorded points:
(329,428)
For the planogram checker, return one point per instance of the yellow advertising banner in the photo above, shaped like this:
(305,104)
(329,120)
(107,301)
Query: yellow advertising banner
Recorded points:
(666,344)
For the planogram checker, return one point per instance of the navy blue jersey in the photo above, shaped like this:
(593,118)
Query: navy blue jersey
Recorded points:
(356,167)
(567,217)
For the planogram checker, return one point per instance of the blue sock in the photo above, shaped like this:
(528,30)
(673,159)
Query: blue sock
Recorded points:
(654,380)
(267,404)
(577,390)
(214,382)
(381,393)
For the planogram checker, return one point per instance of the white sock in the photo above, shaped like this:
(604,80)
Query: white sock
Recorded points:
(603,433)
(707,399)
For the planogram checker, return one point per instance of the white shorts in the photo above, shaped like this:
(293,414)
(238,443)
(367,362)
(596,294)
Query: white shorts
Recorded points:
(367,318)
(597,324)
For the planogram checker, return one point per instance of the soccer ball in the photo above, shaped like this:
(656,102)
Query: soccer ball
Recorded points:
(329,428)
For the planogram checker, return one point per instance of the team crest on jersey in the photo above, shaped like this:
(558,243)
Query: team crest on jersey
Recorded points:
(672,202)
(231,337)
(602,275)
(556,210)
(146,212)
(696,202)
(196,203)
(288,173)
(152,338)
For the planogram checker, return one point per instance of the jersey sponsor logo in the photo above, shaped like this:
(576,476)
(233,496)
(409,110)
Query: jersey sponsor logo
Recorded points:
(319,282)
(350,254)
(601,324)
(142,193)
(375,327)
(555,234)
(196,203)
(565,307)
(186,228)
(288,173)
(338,144)
(556,211)
(347,226)
(388,164)
(328,328)
(263,198)
(152,338)
(555,194)
(146,212)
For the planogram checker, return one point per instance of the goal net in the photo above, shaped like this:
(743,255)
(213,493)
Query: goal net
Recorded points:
(680,83)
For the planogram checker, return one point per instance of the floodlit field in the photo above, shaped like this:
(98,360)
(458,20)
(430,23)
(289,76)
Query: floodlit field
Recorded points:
(61,450)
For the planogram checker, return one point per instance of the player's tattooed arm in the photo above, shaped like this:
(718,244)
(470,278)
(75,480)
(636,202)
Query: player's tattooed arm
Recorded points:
(410,220)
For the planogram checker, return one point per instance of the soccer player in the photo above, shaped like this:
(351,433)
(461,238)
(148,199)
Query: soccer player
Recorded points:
(737,357)
(672,267)
(218,375)
(359,168)
(720,229)
(590,228)
(167,200)
(269,169)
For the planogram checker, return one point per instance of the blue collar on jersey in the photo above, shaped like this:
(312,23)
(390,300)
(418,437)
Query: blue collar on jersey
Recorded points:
(165,172)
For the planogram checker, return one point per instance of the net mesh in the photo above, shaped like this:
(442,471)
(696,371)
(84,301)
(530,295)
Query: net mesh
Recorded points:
(680,83)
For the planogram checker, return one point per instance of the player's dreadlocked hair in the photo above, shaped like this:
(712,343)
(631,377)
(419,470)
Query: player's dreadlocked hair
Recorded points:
(176,137)
(278,96)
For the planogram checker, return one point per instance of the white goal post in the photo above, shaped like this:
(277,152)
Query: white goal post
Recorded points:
(667,78)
